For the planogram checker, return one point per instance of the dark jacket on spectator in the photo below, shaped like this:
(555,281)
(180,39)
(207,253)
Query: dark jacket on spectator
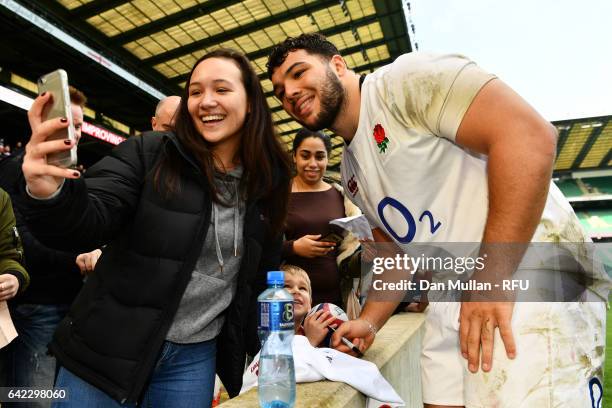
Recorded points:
(11,252)
(55,275)
(113,333)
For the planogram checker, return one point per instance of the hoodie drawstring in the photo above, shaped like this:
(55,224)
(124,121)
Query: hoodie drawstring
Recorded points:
(236,207)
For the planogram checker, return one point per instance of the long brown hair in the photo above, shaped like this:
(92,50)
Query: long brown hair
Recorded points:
(265,163)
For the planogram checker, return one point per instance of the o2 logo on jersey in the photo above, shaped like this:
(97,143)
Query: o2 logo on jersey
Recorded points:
(412,226)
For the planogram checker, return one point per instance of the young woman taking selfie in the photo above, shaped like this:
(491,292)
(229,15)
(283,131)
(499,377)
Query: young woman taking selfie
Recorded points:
(192,221)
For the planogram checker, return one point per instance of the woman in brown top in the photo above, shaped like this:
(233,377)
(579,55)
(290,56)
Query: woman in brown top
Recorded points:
(313,203)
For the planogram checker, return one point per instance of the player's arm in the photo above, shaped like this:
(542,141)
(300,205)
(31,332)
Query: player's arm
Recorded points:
(374,314)
(378,312)
(520,146)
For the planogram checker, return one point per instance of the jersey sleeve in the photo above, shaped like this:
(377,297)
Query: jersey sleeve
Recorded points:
(433,92)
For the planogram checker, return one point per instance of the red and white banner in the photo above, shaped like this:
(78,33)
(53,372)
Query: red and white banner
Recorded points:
(102,134)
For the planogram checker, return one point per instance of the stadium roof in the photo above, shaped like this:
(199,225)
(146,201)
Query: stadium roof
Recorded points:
(584,145)
(158,41)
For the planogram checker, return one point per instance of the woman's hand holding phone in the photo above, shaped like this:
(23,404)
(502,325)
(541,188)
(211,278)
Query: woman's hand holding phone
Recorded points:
(309,246)
(44,179)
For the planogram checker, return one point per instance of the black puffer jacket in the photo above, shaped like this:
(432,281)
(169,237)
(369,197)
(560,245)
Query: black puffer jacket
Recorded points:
(117,324)
(55,276)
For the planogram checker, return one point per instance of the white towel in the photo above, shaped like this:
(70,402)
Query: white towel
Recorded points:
(315,364)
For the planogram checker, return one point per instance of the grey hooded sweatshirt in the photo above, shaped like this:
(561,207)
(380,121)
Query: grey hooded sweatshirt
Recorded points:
(213,281)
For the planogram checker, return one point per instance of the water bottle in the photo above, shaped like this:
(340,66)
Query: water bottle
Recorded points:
(276,383)
(269,298)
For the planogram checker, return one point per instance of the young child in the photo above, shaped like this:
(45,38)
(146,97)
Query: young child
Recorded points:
(314,327)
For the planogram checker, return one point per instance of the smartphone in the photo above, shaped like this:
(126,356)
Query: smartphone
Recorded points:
(332,237)
(56,83)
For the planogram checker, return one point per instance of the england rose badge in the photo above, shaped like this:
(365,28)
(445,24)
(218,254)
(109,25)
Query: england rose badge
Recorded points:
(382,141)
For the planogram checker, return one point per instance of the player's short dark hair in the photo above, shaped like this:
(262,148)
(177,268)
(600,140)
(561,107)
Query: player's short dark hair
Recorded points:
(314,43)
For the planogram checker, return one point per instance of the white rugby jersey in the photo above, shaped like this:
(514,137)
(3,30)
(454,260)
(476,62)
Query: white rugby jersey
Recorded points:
(403,168)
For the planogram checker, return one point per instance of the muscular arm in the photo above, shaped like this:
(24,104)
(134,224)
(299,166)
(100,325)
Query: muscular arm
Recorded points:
(521,147)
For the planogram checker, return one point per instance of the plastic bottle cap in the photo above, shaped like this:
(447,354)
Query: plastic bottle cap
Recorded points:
(276,278)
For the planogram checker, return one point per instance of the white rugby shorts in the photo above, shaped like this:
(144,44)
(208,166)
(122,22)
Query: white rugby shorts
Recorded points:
(559,361)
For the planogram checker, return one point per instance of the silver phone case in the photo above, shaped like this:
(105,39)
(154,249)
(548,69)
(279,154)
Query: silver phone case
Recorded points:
(56,83)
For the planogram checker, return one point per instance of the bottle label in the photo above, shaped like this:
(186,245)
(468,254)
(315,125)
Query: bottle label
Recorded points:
(275,316)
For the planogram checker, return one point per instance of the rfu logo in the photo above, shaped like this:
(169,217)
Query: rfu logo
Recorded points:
(352,186)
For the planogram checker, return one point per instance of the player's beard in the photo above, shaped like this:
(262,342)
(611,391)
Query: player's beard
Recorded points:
(332,96)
